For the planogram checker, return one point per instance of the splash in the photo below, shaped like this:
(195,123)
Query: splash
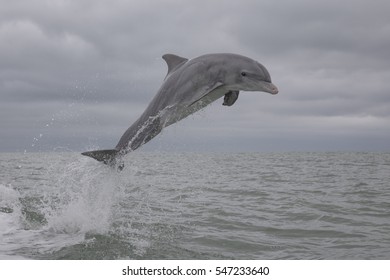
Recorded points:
(73,207)
(82,198)
(95,206)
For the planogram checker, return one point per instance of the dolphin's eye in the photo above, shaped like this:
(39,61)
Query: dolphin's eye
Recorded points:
(243,74)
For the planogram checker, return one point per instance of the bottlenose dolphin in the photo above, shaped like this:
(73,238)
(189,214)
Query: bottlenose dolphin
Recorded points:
(190,85)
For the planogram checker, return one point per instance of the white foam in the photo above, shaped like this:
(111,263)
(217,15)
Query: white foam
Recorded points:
(10,222)
(9,210)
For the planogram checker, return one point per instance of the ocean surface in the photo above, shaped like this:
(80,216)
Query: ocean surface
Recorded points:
(196,206)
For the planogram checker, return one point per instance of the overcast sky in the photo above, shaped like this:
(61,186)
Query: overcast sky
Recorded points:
(74,75)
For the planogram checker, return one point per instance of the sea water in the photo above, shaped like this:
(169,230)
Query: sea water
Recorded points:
(196,206)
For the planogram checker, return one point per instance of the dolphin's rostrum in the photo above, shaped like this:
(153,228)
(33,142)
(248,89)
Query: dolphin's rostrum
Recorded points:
(189,86)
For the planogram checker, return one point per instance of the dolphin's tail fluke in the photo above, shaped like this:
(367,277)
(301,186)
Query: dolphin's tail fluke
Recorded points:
(108,157)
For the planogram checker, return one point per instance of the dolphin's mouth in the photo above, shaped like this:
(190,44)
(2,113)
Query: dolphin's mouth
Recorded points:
(270,88)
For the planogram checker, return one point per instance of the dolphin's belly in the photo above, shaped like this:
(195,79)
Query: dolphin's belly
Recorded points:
(173,114)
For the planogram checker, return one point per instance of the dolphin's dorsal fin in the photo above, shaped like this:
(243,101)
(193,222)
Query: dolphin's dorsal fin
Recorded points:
(173,61)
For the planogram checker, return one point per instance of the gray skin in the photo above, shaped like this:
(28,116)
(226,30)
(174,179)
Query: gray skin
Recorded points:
(189,86)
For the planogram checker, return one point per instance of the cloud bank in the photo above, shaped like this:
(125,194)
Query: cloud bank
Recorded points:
(76,74)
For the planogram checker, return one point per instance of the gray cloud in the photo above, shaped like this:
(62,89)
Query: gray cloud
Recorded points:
(80,72)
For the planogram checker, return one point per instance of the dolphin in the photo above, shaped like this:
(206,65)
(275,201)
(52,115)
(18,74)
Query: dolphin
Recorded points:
(190,85)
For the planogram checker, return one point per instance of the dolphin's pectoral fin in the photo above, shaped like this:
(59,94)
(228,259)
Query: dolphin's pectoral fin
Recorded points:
(204,92)
(230,98)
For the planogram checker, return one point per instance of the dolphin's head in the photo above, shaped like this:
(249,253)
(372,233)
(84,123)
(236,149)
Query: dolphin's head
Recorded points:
(249,75)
